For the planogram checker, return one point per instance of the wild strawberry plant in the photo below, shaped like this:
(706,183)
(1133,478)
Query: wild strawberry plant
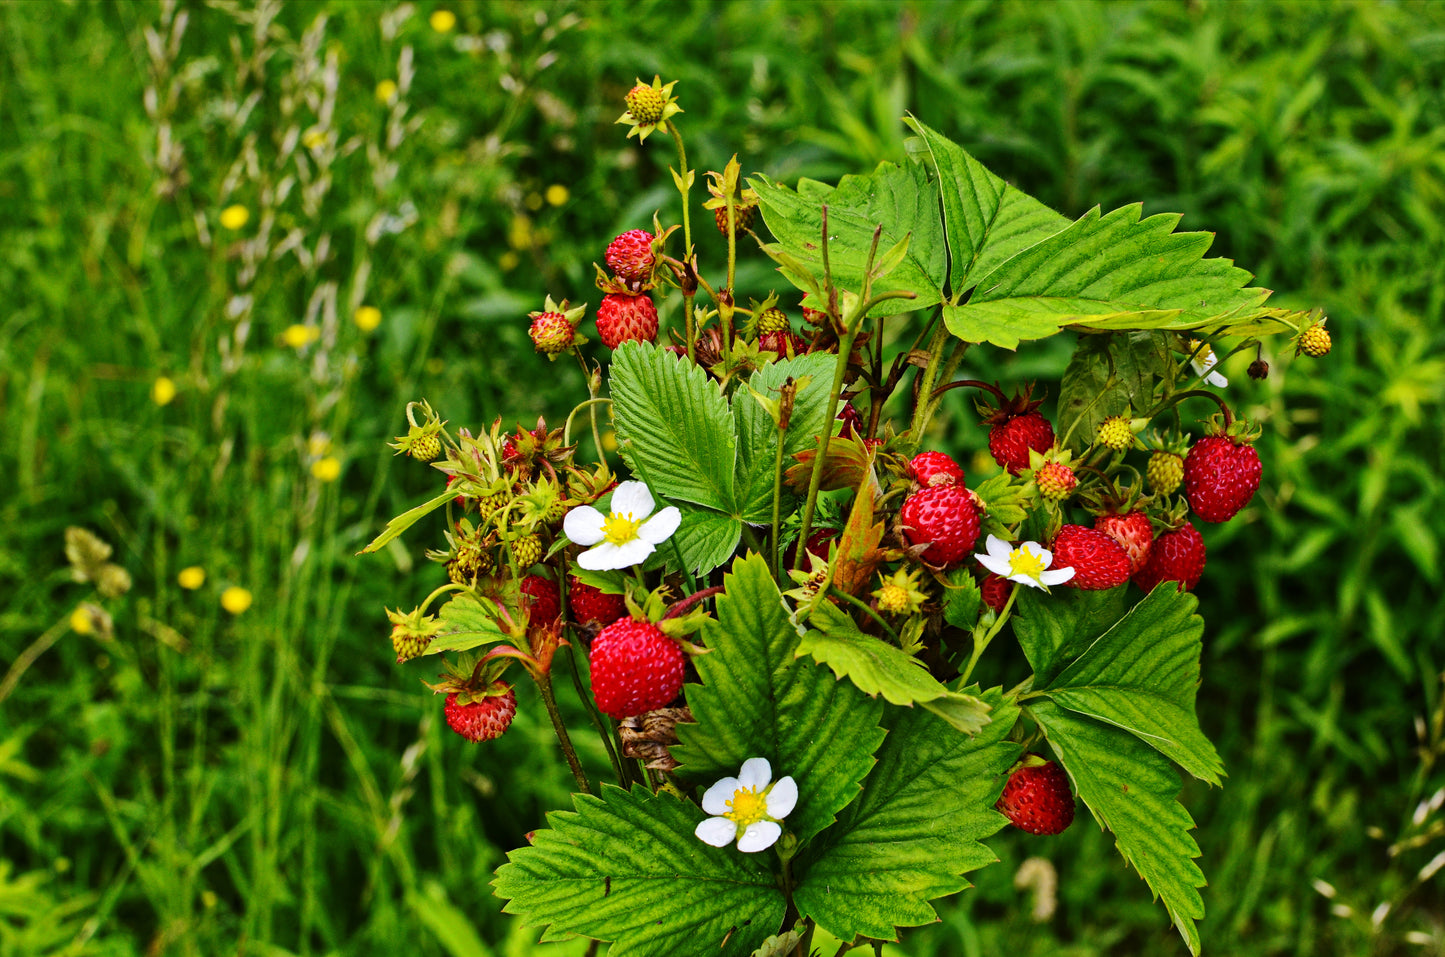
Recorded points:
(777,608)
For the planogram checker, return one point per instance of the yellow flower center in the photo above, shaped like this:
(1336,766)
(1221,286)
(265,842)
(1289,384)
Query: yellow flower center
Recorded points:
(1022,561)
(620,529)
(748,807)
(892,599)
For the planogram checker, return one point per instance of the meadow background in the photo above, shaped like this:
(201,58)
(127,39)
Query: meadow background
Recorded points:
(199,392)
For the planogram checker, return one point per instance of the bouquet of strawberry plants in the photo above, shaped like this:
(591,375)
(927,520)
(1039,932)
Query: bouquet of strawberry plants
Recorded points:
(777,607)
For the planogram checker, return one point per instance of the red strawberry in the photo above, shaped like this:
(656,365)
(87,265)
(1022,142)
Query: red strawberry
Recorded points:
(1098,561)
(852,421)
(635,668)
(622,318)
(785,343)
(935,468)
(592,606)
(1221,475)
(1133,533)
(1175,556)
(482,719)
(630,255)
(1037,798)
(541,599)
(944,515)
(995,590)
(1010,440)
(1056,481)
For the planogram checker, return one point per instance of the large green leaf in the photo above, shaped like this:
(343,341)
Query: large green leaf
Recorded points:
(1131,790)
(758,436)
(915,829)
(705,537)
(626,867)
(1114,269)
(986,220)
(1056,627)
(877,667)
(901,199)
(673,422)
(1142,676)
(757,699)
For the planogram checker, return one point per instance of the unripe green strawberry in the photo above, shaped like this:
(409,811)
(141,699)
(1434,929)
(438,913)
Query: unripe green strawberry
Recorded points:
(1315,341)
(527,550)
(1056,481)
(645,103)
(482,719)
(1166,472)
(425,447)
(407,644)
(630,255)
(773,320)
(1114,433)
(551,333)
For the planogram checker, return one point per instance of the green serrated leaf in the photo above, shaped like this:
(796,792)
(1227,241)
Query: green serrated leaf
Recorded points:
(901,199)
(705,537)
(758,437)
(626,867)
(961,600)
(878,668)
(987,221)
(674,421)
(1115,269)
(757,699)
(406,520)
(1056,627)
(914,831)
(467,622)
(1142,675)
(1131,791)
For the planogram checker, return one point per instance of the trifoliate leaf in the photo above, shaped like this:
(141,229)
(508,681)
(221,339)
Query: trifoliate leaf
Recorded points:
(1142,676)
(901,199)
(626,867)
(1131,791)
(915,829)
(1054,628)
(757,699)
(673,422)
(878,668)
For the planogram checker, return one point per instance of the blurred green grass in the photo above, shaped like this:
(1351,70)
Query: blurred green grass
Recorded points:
(269,782)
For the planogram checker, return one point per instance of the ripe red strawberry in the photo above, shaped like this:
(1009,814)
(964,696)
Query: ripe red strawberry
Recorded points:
(1010,440)
(945,515)
(852,421)
(1175,556)
(1221,475)
(551,333)
(622,318)
(635,668)
(1133,533)
(784,342)
(592,606)
(995,590)
(1098,561)
(630,255)
(935,468)
(483,719)
(1037,798)
(541,599)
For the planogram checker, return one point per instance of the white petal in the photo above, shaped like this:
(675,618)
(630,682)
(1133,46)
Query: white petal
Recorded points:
(1057,576)
(717,831)
(998,548)
(1026,579)
(608,556)
(759,836)
(783,798)
(756,773)
(1216,380)
(584,525)
(715,801)
(632,498)
(660,527)
(999,566)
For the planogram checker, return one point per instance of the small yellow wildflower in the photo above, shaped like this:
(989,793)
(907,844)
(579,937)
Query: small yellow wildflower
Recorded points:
(327,469)
(234,217)
(298,336)
(386,92)
(313,139)
(367,318)
(163,390)
(235,599)
(508,261)
(557,194)
(191,578)
(442,21)
(80,621)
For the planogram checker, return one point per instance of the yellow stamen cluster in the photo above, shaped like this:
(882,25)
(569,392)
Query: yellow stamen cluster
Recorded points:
(747,807)
(620,529)
(1022,561)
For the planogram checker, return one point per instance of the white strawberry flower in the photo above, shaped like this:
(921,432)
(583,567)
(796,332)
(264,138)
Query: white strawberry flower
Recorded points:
(1026,563)
(625,536)
(1203,363)
(748,808)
